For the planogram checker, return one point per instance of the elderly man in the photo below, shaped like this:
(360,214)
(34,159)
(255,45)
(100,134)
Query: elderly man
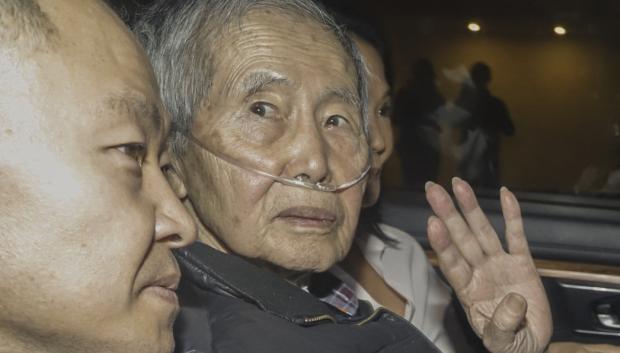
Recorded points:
(87,217)
(268,104)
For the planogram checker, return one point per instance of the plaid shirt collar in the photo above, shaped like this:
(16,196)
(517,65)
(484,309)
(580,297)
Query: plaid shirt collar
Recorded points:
(334,292)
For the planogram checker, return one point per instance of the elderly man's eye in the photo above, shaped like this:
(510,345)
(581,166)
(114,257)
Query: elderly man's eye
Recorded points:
(173,178)
(336,120)
(135,151)
(167,169)
(262,109)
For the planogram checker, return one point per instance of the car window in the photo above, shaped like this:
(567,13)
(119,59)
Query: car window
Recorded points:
(523,93)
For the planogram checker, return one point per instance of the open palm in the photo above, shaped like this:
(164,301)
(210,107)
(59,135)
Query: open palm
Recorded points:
(500,291)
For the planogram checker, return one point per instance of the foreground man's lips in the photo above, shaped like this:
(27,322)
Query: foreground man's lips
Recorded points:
(165,287)
(308,216)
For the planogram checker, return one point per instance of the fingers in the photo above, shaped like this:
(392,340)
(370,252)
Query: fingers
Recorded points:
(501,331)
(458,229)
(515,235)
(477,220)
(452,264)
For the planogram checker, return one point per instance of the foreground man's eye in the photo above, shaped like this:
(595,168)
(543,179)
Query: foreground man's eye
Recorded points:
(262,109)
(135,151)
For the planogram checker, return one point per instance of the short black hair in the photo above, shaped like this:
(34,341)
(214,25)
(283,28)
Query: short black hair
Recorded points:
(480,73)
(25,25)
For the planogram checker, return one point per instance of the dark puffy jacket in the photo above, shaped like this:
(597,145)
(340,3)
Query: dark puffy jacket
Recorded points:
(229,305)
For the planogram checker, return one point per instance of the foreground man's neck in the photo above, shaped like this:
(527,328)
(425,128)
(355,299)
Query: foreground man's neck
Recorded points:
(27,344)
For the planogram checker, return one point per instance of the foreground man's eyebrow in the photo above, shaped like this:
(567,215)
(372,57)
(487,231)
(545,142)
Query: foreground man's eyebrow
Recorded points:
(136,108)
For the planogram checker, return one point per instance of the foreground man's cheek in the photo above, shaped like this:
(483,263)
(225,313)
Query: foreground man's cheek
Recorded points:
(86,260)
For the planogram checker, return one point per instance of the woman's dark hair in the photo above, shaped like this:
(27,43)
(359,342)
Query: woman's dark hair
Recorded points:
(367,32)
(369,223)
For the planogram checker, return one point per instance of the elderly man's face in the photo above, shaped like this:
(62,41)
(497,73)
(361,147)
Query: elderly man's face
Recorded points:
(87,217)
(278,75)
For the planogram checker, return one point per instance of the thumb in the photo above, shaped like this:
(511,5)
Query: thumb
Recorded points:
(499,333)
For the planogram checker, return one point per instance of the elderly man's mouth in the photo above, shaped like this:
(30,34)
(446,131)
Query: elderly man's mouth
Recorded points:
(313,217)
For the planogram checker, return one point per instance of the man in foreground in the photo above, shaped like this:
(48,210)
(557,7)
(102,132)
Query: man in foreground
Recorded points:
(87,218)
(268,100)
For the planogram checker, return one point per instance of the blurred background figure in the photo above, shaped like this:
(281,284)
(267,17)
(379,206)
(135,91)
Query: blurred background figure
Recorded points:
(613,182)
(597,179)
(487,120)
(417,107)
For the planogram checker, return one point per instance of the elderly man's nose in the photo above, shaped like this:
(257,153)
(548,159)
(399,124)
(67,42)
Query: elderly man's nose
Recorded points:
(173,224)
(308,156)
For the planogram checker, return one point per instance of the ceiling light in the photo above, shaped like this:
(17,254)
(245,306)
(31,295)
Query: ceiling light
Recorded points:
(473,27)
(559,30)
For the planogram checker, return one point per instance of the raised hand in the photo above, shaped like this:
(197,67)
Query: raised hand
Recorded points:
(501,292)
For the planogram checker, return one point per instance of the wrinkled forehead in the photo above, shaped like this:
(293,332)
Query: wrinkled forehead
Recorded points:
(294,48)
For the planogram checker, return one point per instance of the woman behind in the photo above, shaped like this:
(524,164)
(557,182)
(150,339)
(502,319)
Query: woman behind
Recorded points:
(386,266)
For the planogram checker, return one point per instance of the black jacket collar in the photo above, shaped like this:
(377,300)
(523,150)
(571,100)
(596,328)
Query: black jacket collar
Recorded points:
(230,275)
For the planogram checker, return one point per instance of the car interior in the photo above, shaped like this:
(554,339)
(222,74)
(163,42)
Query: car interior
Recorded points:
(550,68)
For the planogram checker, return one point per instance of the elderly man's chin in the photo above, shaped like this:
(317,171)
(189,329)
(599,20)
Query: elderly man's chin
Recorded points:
(292,247)
(310,241)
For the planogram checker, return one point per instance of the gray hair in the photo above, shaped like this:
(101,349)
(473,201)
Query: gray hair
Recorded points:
(24,26)
(180,39)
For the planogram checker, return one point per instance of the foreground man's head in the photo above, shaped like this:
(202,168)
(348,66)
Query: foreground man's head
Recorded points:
(87,218)
(270,86)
